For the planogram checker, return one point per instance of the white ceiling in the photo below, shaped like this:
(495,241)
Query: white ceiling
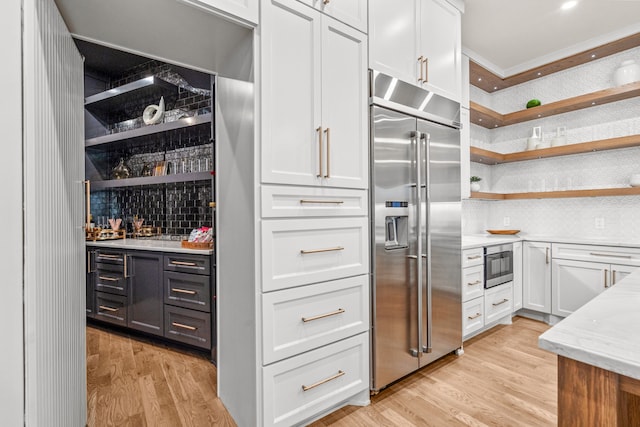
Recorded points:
(511,36)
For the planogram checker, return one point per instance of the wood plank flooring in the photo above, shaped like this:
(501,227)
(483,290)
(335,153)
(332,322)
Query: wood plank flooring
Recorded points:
(503,379)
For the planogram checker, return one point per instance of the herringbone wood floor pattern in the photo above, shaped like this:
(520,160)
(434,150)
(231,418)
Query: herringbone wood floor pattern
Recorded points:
(503,379)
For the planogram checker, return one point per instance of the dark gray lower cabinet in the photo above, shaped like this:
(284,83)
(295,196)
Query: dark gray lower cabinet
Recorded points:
(188,326)
(111,308)
(145,304)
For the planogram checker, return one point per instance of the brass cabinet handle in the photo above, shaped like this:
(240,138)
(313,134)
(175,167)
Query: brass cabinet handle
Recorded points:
(420,58)
(499,303)
(184,263)
(322,316)
(183,326)
(315,251)
(475,316)
(477,282)
(126,276)
(326,380)
(425,61)
(183,291)
(474,257)
(104,307)
(610,255)
(332,202)
(319,130)
(546,255)
(328,132)
(109,279)
(89,270)
(606,273)
(109,256)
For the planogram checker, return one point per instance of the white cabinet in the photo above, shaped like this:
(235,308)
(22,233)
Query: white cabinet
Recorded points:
(619,272)
(351,12)
(472,316)
(498,302)
(244,10)
(517,276)
(536,276)
(314,99)
(418,41)
(290,201)
(471,257)
(472,282)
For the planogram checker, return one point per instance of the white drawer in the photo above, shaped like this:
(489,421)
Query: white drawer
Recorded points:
(498,302)
(333,373)
(471,257)
(472,316)
(304,251)
(593,253)
(303,318)
(283,201)
(472,282)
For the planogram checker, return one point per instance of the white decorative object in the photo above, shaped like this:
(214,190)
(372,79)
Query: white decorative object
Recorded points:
(154,113)
(535,139)
(542,145)
(634,181)
(475,186)
(560,138)
(627,72)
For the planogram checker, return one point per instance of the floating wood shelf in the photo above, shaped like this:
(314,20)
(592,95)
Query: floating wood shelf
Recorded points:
(490,119)
(600,192)
(480,155)
(150,180)
(148,130)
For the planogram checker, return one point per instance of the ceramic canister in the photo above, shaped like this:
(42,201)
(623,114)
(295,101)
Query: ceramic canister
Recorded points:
(628,72)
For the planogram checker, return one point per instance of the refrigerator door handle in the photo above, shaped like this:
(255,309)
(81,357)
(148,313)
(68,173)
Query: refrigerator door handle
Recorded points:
(427,346)
(418,200)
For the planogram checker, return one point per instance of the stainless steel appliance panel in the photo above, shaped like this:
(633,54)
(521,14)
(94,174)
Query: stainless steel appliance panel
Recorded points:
(442,312)
(394,228)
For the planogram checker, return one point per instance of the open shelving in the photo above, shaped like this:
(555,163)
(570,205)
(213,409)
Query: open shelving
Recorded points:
(150,180)
(599,192)
(486,117)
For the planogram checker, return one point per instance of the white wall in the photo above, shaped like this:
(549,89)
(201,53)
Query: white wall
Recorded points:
(11,368)
(574,217)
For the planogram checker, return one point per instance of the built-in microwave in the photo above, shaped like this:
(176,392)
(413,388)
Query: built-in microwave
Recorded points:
(498,265)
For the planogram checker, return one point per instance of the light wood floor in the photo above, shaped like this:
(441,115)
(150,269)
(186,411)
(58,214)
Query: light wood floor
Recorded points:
(503,379)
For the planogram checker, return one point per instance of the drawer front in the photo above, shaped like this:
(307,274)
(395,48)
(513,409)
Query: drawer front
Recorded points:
(281,201)
(300,252)
(187,290)
(111,308)
(472,282)
(498,302)
(471,257)
(307,317)
(472,316)
(185,263)
(187,326)
(109,256)
(593,253)
(301,387)
(110,278)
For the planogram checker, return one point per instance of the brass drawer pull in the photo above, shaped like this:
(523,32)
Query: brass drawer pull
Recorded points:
(109,256)
(475,316)
(499,303)
(477,282)
(180,325)
(610,255)
(326,380)
(322,316)
(333,202)
(183,291)
(108,279)
(315,251)
(474,257)
(183,263)
(104,307)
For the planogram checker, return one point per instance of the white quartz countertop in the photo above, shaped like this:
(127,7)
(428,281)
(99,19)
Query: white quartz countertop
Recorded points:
(480,240)
(605,332)
(148,245)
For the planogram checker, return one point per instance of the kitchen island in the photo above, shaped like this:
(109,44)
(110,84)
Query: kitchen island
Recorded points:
(598,349)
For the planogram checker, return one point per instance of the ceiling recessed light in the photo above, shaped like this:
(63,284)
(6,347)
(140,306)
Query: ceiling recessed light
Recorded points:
(479,79)
(539,74)
(569,4)
(479,120)
(495,88)
(593,56)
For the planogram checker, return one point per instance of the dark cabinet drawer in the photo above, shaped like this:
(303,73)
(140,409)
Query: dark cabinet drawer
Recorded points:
(110,278)
(187,290)
(186,263)
(187,326)
(109,256)
(111,308)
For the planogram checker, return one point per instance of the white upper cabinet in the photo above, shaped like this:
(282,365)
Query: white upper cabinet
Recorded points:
(243,10)
(351,12)
(418,42)
(314,99)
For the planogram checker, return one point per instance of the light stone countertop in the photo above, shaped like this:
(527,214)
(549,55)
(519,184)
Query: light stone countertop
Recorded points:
(605,332)
(148,245)
(470,241)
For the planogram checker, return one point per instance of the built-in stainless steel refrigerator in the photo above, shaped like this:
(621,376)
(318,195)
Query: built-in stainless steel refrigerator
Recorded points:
(415,228)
